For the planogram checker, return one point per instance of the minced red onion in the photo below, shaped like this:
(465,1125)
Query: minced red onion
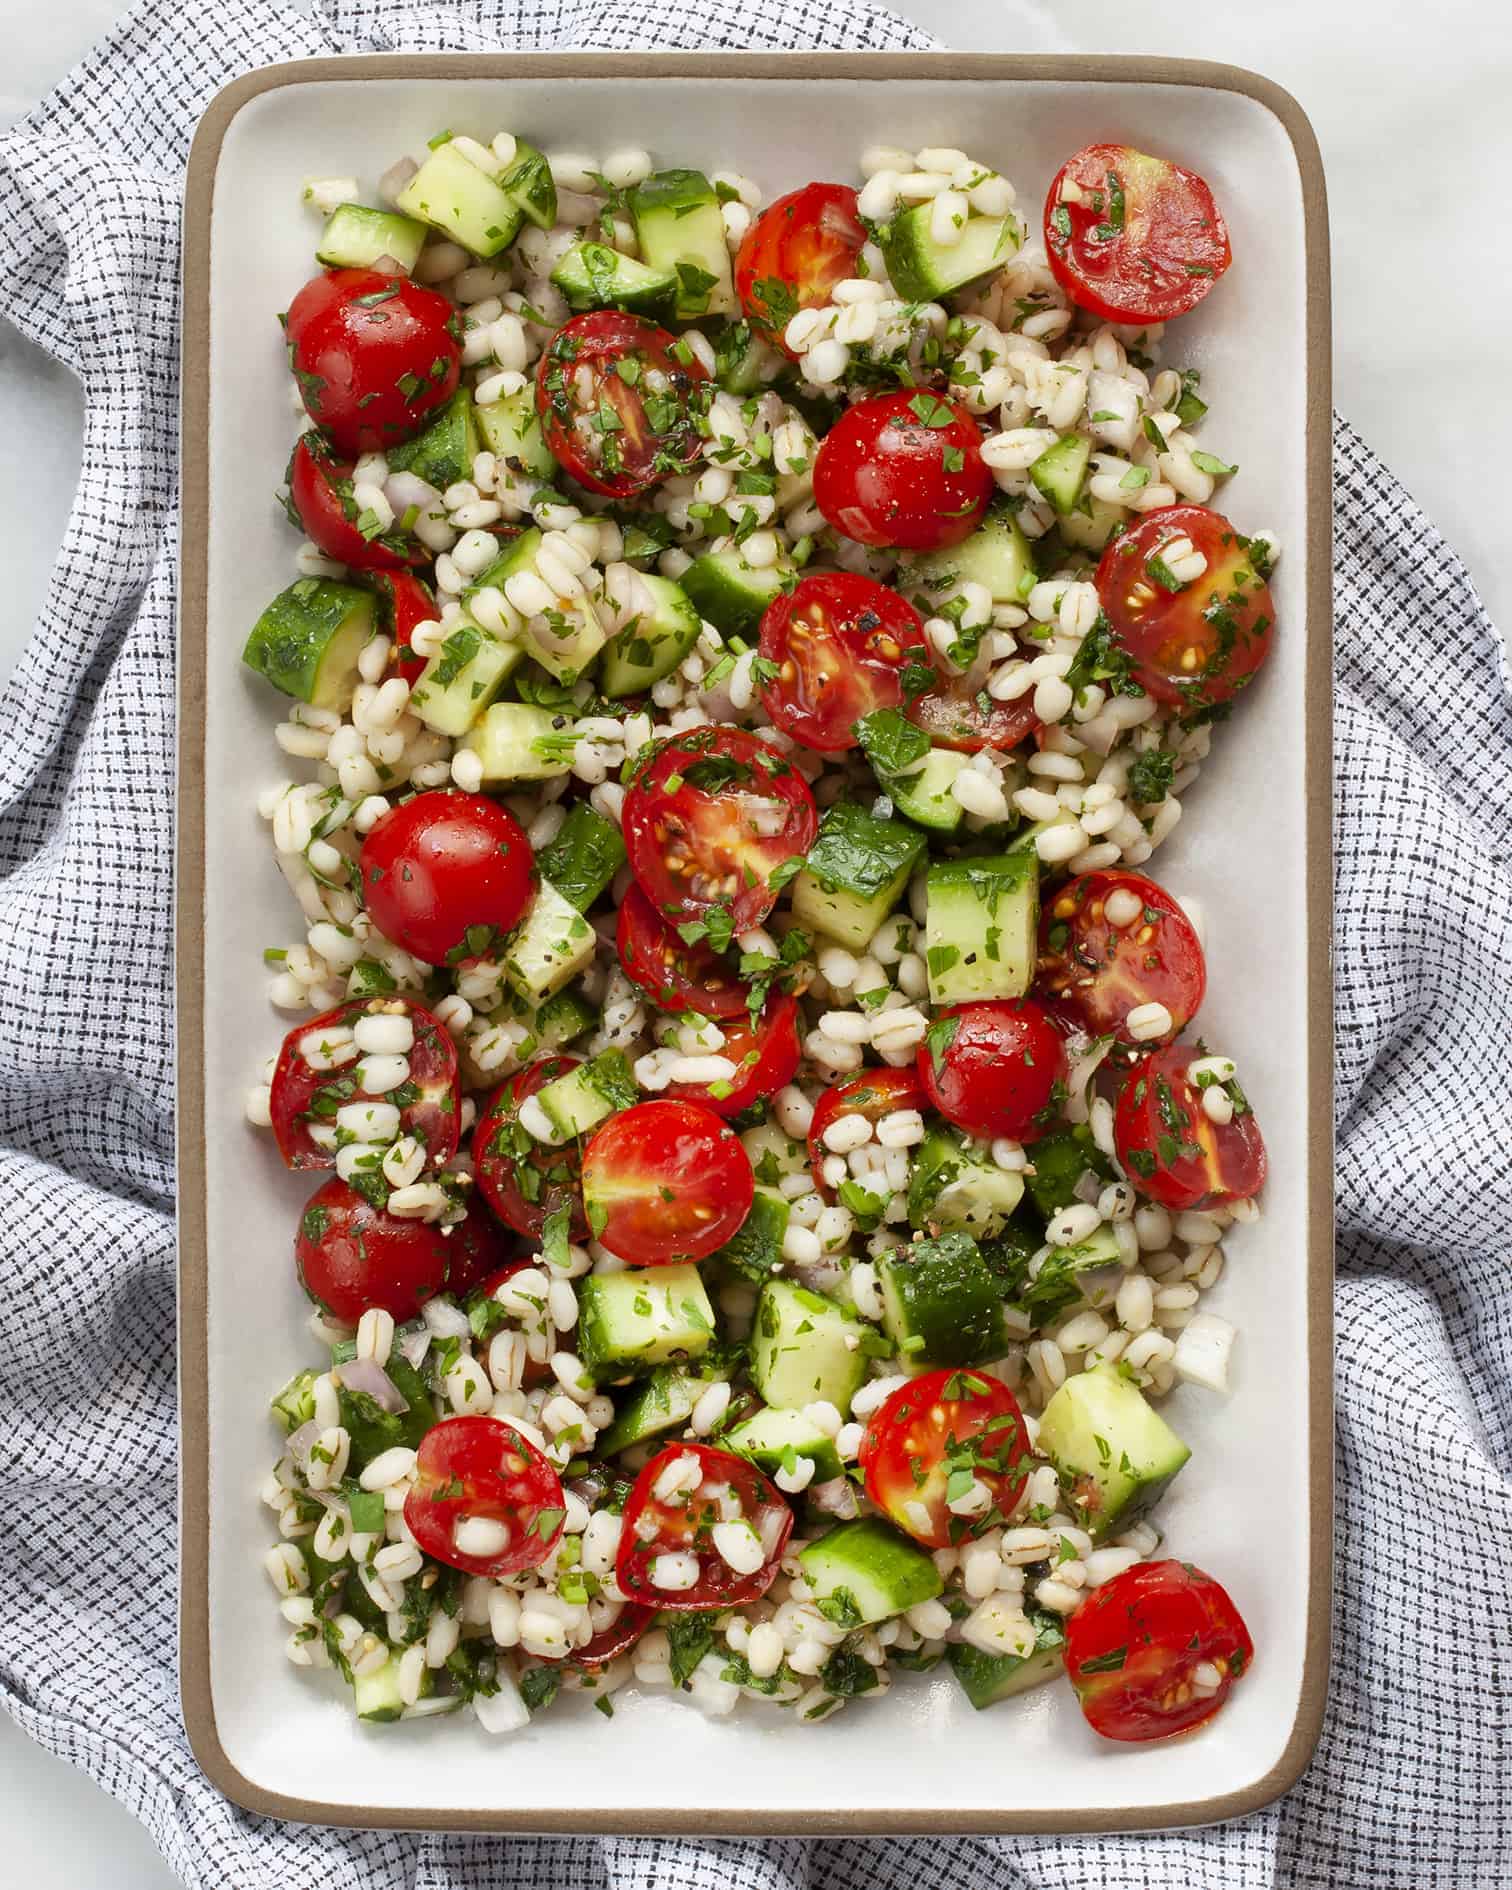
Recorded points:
(388,266)
(404,489)
(412,1343)
(368,1376)
(300,1444)
(395,178)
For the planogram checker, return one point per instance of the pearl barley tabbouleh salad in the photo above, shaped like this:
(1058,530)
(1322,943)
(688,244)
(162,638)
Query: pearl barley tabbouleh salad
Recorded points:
(746,660)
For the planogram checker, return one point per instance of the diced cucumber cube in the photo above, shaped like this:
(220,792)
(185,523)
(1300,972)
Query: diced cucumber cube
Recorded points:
(866,1571)
(941,1304)
(377,1695)
(987,1674)
(306,643)
(529,185)
(1112,1450)
(356,237)
(584,857)
(732,594)
(923,270)
(589,1094)
(857,871)
(511,429)
(295,1404)
(956,1184)
(680,228)
(754,1250)
(460,681)
(513,741)
(562,1018)
(566,640)
(662,1403)
(642,1317)
(995,555)
(805,1348)
(591,275)
(552,945)
(444,453)
(775,1438)
(981,927)
(1059,473)
(453,195)
(926,796)
(653,643)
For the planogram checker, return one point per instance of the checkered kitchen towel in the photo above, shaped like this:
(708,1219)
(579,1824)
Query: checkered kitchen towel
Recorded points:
(1412,1785)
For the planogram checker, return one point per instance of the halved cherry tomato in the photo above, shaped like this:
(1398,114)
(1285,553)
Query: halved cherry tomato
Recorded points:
(1155,1651)
(794,254)
(477,1250)
(994,1068)
(947,1424)
(873,1094)
(302,1095)
(537,1371)
(841,643)
(320,491)
(520,1179)
(407,603)
(482,1468)
(903,469)
(710,815)
(765,1056)
(683,1524)
(446,875)
(351,1255)
(1192,642)
(1171,1149)
(1132,237)
(374,356)
(619,400)
(675,976)
(665,1182)
(953,715)
(1094,972)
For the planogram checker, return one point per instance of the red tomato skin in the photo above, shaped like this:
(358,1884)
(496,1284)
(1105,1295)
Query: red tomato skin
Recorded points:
(1226,1163)
(408,602)
(433,1066)
(353,335)
(906,1438)
(880,474)
(1227,615)
(765,1057)
(498,1168)
(1164,1618)
(1093,973)
(874,1093)
(503,1477)
(1172,228)
(718,1584)
(476,1252)
(435,867)
(665,1183)
(691,851)
(598,341)
(951,718)
(840,642)
(808,240)
(998,1074)
(313,476)
(675,976)
(350,1255)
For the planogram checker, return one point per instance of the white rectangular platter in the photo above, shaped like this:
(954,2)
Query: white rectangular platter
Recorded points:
(1253,1505)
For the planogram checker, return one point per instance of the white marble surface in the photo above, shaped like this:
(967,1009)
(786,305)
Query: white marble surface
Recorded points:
(1410,107)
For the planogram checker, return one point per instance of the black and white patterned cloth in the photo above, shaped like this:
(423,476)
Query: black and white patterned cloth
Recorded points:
(1412,1785)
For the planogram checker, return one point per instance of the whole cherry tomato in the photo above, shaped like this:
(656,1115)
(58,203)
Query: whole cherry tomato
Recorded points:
(903,469)
(374,356)
(997,1067)
(447,875)
(351,1255)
